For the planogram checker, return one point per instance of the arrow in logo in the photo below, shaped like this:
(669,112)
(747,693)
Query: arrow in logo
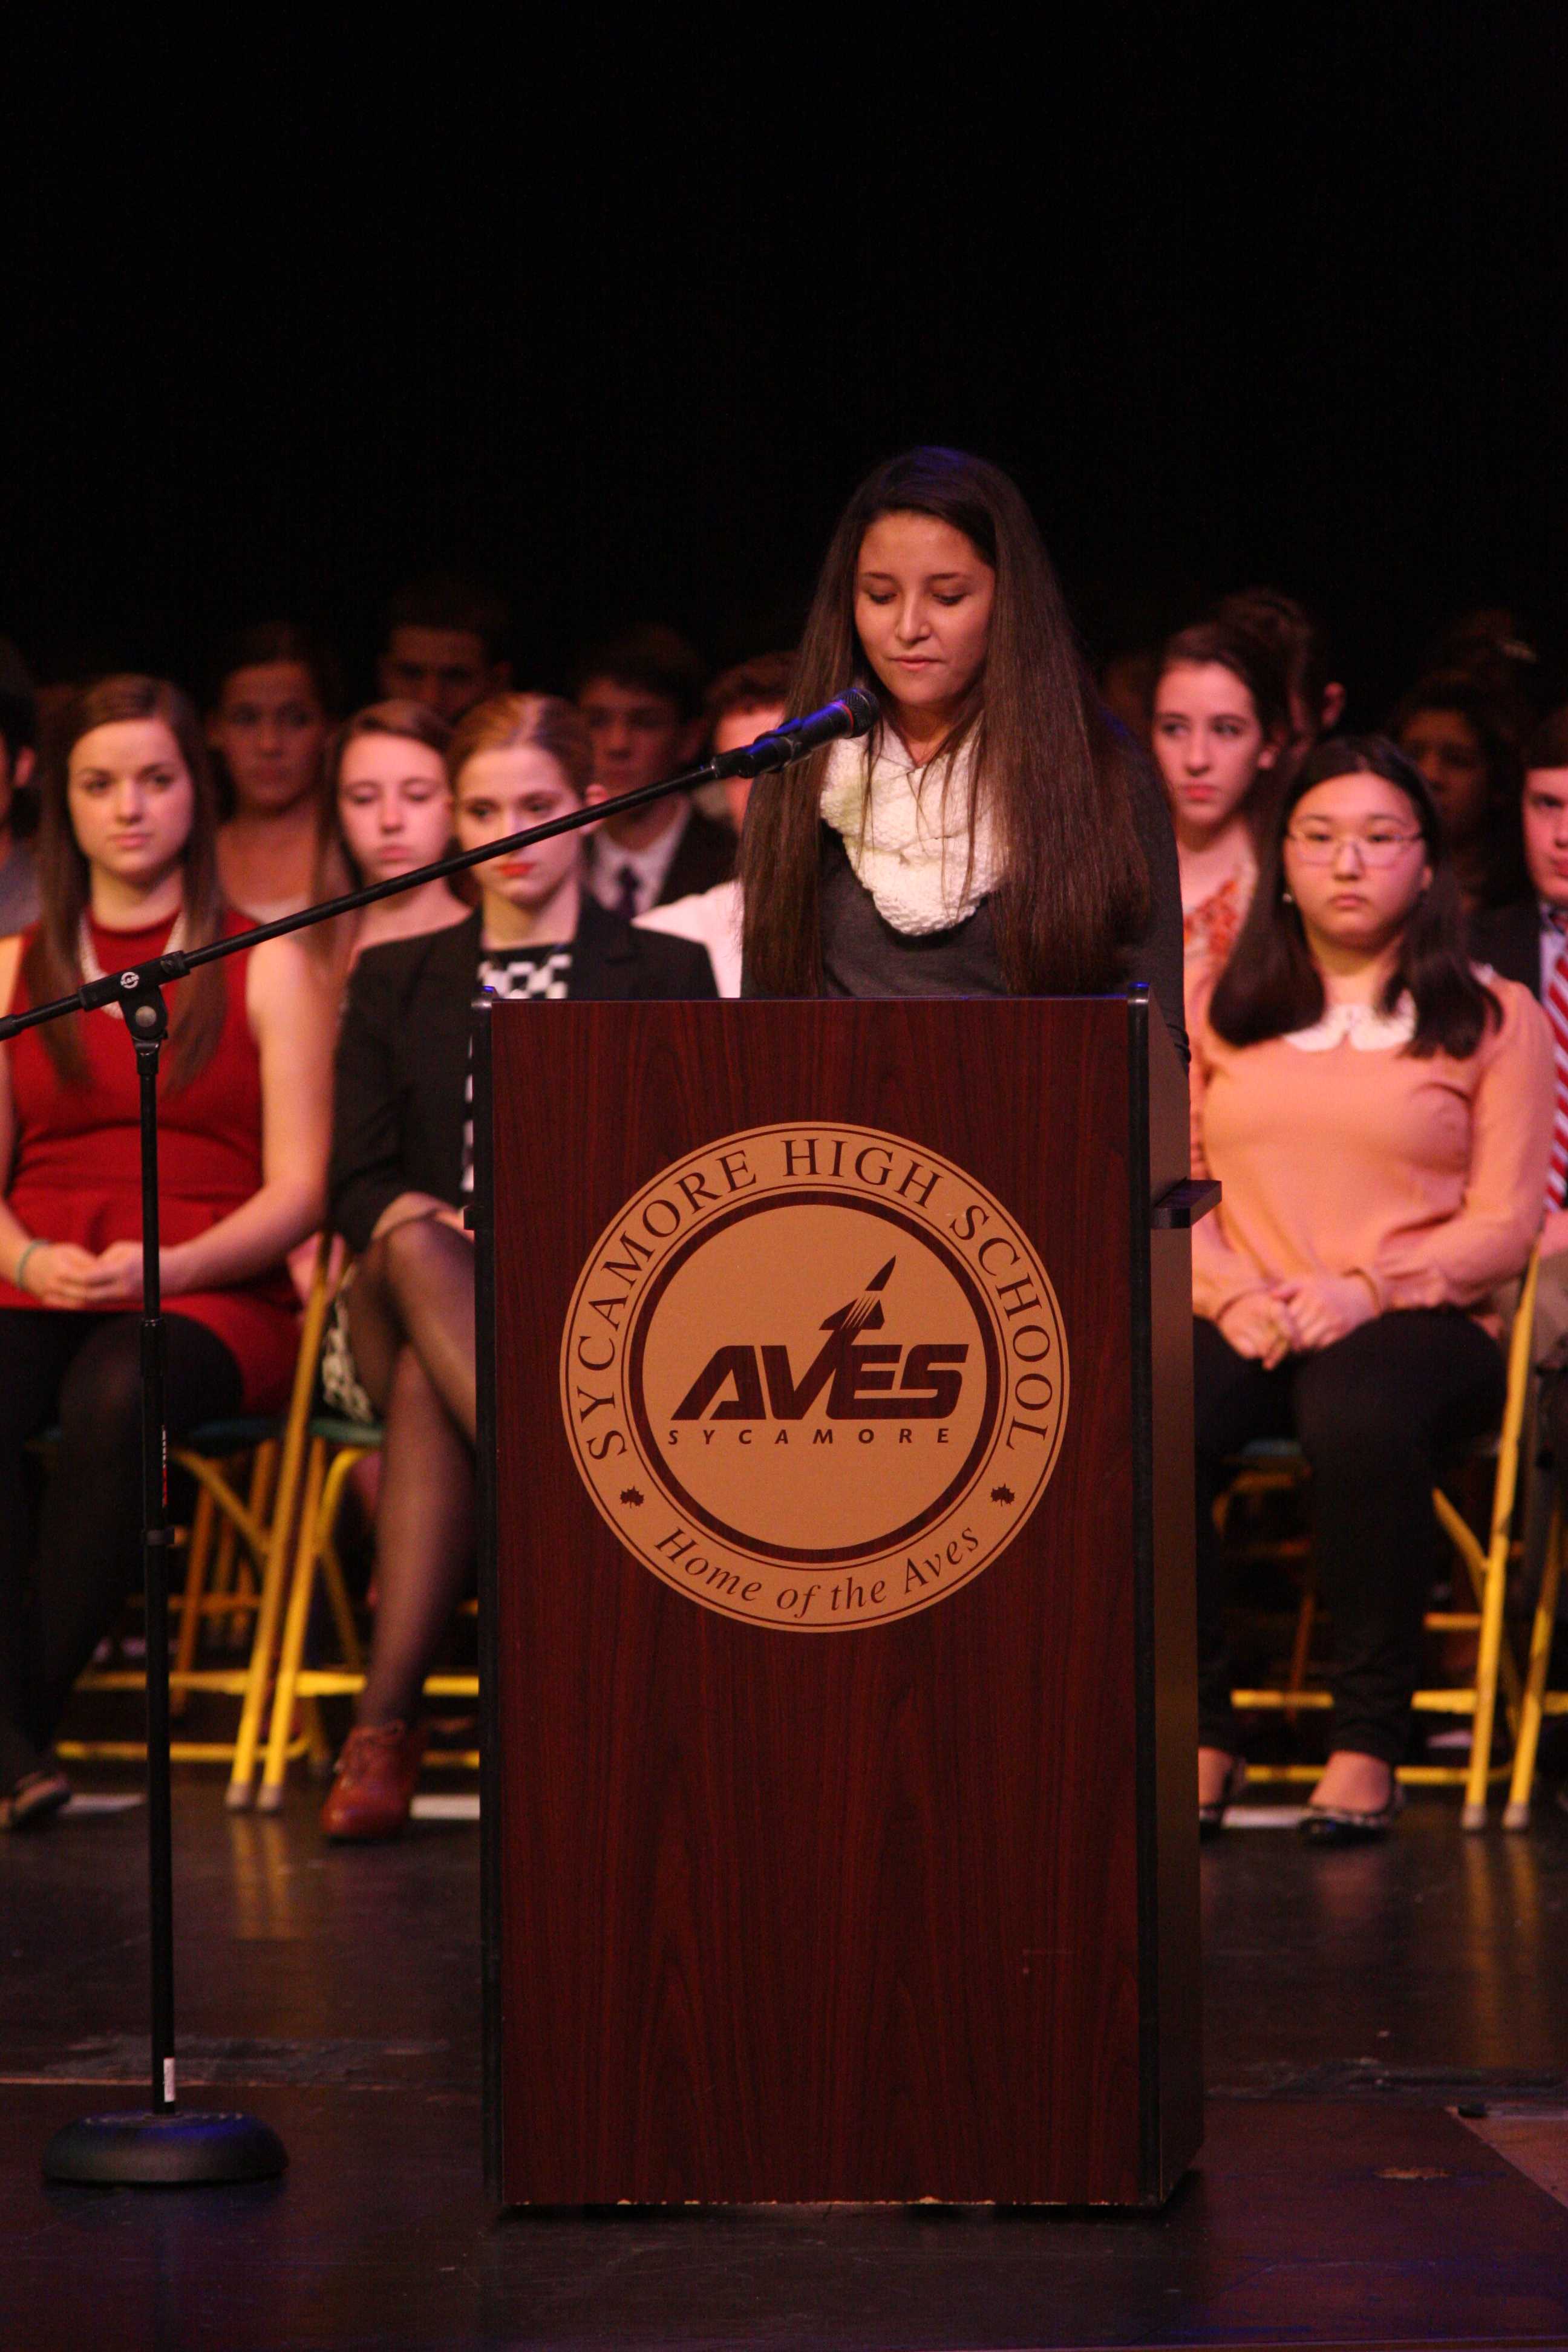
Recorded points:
(865,1313)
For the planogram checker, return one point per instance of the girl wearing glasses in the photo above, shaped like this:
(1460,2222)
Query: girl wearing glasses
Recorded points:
(1380,1116)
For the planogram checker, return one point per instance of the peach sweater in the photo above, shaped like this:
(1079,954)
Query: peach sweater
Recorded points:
(1341,1154)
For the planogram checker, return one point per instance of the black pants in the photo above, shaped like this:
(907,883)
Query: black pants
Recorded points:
(1375,1416)
(70,1546)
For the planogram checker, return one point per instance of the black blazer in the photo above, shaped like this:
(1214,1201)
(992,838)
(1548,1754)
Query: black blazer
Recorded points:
(400,1083)
(705,855)
(1508,939)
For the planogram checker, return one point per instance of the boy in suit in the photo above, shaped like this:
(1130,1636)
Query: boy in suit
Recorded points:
(642,699)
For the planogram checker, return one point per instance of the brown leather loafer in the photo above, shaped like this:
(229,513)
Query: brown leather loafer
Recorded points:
(373,1785)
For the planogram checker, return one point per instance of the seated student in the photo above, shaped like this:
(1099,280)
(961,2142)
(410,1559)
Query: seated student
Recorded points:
(402,1165)
(443,647)
(1465,745)
(386,809)
(1523,941)
(1126,682)
(742,704)
(642,699)
(1489,646)
(127,866)
(270,719)
(18,885)
(1380,1117)
(1220,724)
(1315,695)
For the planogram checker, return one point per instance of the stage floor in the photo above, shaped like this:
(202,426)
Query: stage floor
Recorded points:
(1355,2004)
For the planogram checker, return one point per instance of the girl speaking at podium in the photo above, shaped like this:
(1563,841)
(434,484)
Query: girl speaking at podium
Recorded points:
(995,835)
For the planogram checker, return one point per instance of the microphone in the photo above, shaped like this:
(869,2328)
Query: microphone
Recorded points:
(854,713)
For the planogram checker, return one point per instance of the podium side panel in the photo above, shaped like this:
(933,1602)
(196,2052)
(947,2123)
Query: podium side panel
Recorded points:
(1173,2046)
(844,1915)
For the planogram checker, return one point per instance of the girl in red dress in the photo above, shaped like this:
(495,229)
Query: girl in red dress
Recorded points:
(127,867)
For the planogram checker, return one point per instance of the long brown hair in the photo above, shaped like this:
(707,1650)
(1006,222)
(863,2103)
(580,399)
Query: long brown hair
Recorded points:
(1271,987)
(51,965)
(1255,664)
(332,866)
(1052,774)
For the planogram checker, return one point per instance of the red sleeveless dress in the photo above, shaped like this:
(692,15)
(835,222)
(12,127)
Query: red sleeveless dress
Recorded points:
(76,1169)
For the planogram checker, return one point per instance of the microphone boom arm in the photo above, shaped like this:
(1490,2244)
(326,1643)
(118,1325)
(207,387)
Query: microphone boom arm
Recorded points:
(779,747)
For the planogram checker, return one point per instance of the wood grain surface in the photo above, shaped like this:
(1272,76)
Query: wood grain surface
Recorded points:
(860,1915)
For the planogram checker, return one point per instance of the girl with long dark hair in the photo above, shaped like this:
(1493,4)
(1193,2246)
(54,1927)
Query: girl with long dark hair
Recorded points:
(1221,722)
(995,835)
(1379,1114)
(127,868)
(386,809)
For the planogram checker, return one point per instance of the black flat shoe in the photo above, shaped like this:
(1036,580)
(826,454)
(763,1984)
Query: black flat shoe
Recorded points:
(1339,1825)
(1211,1817)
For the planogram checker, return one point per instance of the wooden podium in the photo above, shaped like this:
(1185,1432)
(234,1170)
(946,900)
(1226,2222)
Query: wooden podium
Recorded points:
(837,1602)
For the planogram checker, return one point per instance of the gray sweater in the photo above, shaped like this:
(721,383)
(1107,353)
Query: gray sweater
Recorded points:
(862,955)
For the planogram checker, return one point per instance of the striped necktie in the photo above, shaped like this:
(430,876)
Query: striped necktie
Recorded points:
(1556,1004)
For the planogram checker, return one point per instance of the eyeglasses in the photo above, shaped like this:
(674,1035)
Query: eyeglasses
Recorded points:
(1320,846)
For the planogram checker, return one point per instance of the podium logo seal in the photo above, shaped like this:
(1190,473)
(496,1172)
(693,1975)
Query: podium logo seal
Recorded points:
(814,1377)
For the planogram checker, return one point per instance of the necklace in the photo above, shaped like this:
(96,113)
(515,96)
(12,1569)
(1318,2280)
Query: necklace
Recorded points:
(87,955)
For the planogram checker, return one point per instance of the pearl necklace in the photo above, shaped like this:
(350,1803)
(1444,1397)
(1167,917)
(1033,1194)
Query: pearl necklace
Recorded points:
(86,956)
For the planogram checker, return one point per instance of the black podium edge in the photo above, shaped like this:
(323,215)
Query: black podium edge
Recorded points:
(490,1638)
(1169,2087)
(1142,1372)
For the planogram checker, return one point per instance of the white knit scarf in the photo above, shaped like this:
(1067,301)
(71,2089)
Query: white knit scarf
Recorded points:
(906,832)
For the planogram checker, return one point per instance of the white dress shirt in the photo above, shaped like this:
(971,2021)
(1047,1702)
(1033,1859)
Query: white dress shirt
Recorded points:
(607,861)
(1553,942)
(712,918)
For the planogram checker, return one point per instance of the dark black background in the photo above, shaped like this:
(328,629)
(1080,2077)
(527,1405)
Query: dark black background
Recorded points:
(617,318)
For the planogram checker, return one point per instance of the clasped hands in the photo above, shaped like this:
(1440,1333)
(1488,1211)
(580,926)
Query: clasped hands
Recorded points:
(1297,1318)
(62,1274)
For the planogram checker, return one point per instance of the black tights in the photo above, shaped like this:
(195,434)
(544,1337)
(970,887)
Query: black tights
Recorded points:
(1375,1416)
(71,1544)
(411,1325)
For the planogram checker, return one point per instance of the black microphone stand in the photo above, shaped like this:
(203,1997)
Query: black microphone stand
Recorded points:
(167,2146)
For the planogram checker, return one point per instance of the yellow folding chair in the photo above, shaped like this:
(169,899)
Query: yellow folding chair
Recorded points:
(247,1472)
(1275,1464)
(336,1447)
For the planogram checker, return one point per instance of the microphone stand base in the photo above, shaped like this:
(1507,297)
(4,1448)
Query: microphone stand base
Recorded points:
(179,2149)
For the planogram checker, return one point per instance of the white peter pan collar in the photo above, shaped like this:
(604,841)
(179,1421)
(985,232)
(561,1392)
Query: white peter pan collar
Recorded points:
(1367,1030)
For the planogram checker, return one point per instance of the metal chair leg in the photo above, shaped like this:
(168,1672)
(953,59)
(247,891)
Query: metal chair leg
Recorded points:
(1516,1814)
(276,1762)
(190,1605)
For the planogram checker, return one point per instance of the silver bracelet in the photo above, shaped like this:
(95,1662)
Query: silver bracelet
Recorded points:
(37,1242)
